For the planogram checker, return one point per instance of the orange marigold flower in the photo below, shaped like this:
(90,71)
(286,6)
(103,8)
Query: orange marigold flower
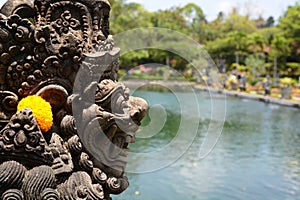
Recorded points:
(41,110)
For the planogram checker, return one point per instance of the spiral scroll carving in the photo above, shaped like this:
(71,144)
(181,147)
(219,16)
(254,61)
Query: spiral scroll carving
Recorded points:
(117,185)
(11,175)
(12,194)
(99,176)
(68,126)
(79,186)
(75,145)
(9,100)
(37,180)
(49,194)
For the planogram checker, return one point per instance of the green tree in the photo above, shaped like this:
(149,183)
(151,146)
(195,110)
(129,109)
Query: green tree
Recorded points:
(236,22)
(213,28)
(171,19)
(279,49)
(290,25)
(238,39)
(256,44)
(270,22)
(227,37)
(234,37)
(126,16)
(256,65)
(195,21)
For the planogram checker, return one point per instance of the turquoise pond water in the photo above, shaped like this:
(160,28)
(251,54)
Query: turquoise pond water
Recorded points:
(256,157)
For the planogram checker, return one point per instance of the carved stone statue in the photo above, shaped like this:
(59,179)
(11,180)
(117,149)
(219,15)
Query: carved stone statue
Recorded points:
(63,52)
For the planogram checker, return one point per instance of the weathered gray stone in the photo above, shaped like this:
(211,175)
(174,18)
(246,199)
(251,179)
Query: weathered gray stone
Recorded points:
(63,52)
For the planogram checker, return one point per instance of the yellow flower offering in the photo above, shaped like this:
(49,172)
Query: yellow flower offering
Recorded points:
(41,110)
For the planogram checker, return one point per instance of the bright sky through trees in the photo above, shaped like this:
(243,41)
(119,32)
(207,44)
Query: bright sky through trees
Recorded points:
(211,8)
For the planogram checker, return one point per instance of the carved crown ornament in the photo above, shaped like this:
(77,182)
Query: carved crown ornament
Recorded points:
(62,52)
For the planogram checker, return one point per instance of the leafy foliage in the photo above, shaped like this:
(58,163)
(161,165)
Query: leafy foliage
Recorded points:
(259,43)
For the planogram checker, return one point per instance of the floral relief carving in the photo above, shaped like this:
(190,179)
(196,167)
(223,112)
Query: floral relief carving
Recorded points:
(45,45)
(66,22)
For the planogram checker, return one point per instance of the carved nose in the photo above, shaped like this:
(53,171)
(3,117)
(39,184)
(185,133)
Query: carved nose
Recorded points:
(138,109)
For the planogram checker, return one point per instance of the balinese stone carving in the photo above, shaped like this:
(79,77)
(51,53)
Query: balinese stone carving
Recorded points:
(12,175)
(63,52)
(22,139)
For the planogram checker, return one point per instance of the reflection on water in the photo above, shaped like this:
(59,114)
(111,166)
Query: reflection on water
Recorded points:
(257,157)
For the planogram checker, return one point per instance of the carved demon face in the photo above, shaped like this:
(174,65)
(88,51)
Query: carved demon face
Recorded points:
(45,46)
(110,125)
